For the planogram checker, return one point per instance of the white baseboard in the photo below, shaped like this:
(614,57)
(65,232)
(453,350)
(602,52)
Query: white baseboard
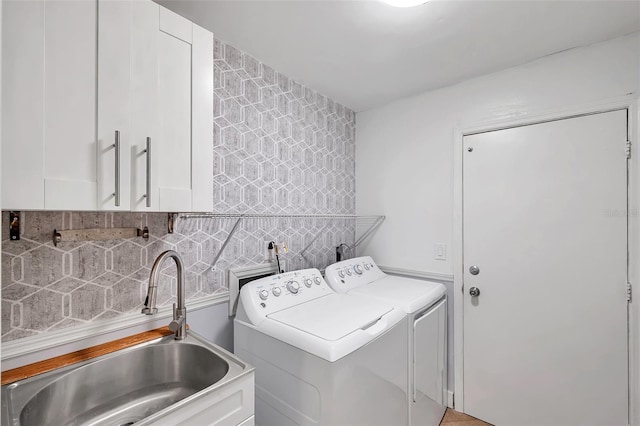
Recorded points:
(17,353)
(450,400)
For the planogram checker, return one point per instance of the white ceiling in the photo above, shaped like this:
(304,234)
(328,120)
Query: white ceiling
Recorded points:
(365,54)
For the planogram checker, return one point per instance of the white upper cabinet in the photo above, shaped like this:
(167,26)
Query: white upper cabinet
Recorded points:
(107,105)
(22,104)
(172,102)
(49,105)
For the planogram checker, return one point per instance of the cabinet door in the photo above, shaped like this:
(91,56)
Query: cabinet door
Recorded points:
(22,105)
(185,67)
(172,110)
(174,96)
(70,105)
(145,125)
(114,112)
(49,110)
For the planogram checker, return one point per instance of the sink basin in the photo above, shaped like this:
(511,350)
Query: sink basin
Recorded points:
(134,385)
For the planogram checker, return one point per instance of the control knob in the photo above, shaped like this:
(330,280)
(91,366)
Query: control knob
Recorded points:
(264,294)
(348,271)
(293,286)
(276,291)
(341,274)
(317,280)
(358,269)
(308,282)
(366,266)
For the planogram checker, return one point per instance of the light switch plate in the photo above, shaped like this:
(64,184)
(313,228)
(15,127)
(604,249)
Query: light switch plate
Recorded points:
(440,251)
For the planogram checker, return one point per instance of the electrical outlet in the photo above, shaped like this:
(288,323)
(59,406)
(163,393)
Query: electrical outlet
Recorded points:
(440,251)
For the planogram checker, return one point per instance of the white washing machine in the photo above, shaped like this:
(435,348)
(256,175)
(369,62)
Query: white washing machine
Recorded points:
(321,357)
(425,305)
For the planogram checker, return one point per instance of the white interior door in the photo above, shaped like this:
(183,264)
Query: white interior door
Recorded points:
(545,341)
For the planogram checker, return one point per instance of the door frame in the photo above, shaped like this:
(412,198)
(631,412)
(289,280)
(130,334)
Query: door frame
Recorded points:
(632,104)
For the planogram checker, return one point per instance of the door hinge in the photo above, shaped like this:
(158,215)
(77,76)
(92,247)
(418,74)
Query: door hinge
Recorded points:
(628,292)
(628,149)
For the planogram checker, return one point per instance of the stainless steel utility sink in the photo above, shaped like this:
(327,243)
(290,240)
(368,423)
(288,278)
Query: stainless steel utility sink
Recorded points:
(135,385)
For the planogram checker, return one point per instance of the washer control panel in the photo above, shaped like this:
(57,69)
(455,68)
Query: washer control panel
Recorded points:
(276,292)
(348,274)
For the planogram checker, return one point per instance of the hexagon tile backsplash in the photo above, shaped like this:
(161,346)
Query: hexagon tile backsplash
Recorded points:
(279,148)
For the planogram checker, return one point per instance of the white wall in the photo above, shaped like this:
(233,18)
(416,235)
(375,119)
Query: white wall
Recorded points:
(404,150)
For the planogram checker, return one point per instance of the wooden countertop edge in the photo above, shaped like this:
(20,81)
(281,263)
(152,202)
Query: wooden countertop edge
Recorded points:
(26,371)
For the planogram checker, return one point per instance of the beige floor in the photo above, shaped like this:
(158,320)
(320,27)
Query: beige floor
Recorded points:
(453,418)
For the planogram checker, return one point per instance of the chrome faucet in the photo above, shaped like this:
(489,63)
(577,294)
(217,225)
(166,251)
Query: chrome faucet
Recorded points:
(179,323)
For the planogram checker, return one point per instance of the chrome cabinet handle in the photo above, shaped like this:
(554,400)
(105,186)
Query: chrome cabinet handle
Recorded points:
(148,151)
(116,145)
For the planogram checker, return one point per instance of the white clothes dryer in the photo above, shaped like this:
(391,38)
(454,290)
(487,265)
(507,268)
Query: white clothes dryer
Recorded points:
(321,357)
(425,305)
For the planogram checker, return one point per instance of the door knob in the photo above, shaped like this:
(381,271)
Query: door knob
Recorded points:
(474,291)
(474,270)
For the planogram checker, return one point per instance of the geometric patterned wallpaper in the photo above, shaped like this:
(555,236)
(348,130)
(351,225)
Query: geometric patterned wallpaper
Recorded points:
(279,148)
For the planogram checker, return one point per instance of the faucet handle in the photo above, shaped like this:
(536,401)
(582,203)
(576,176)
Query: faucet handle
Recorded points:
(176,324)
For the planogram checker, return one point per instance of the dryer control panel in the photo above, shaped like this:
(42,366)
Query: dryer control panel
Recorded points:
(351,273)
(274,293)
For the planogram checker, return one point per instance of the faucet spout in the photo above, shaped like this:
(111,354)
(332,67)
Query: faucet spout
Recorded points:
(179,323)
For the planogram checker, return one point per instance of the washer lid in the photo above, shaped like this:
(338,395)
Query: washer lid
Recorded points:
(407,294)
(334,316)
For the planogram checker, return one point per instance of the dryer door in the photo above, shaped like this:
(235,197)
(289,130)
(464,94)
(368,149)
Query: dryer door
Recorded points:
(429,354)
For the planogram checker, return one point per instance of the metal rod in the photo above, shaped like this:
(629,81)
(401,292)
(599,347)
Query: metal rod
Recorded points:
(224,245)
(98,234)
(274,216)
(116,145)
(314,239)
(148,151)
(372,228)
